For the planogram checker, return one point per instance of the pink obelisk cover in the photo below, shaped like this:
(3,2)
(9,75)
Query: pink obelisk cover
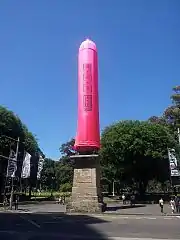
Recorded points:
(88,133)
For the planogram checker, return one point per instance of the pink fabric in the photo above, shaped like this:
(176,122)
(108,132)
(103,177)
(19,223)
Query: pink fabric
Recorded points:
(88,133)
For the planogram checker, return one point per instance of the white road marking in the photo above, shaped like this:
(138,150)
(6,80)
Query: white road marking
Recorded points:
(30,221)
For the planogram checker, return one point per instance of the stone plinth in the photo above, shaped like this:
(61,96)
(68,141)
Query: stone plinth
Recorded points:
(86,190)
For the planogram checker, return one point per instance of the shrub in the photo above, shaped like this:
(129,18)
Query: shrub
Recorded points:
(66,187)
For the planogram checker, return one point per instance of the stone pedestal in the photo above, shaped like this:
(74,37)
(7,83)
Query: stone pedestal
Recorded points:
(86,190)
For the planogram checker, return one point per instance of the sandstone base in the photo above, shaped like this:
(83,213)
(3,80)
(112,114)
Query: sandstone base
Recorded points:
(86,191)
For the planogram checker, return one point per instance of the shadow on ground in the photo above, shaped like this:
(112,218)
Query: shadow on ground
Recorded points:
(115,208)
(49,226)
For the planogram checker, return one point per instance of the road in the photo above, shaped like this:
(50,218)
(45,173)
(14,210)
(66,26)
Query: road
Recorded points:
(53,226)
(138,209)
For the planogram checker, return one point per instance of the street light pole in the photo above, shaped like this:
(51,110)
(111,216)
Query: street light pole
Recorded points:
(178,135)
(12,182)
(113,189)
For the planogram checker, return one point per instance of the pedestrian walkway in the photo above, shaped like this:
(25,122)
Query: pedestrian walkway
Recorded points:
(112,209)
(111,217)
(33,208)
(139,209)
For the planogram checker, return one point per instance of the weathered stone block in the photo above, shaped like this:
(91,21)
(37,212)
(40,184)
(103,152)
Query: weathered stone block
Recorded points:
(86,191)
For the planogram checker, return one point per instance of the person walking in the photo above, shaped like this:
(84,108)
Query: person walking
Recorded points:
(173,206)
(16,202)
(161,204)
(123,198)
(177,204)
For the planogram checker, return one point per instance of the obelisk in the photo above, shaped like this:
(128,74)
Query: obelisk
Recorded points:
(86,190)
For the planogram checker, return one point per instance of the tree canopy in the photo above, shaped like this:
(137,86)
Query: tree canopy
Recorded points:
(57,174)
(136,151)
(172,113)
(11,126)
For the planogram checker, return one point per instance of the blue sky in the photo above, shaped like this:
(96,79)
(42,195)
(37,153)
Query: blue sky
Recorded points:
(139,61)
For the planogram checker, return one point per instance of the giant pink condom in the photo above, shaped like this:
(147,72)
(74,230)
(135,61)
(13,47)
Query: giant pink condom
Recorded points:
(88,133)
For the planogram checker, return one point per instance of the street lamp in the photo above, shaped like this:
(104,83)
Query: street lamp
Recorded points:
(52,185)
(113,186)
(178,135)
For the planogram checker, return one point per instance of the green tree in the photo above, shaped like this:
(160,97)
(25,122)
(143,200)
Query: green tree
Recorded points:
(66,149)
(137,152)
(66,187)
(11,126)
(60,173)
(159,120)
(65,166)
(30,142)
(48,175)
(172,113)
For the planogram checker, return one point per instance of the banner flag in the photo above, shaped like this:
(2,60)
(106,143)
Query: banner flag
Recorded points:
(26,167)
(175,172)
(40,166)
(12,164)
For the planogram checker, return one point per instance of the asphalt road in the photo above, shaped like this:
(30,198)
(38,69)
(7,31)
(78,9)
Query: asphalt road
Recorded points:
(52,226)
(118,208)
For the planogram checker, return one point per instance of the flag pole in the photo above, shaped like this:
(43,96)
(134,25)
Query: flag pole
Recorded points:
(21,188)
(12,177)
(169,167)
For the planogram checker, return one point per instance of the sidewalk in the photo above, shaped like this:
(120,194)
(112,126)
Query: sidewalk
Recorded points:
(37,208)
(112,209)
(138,209)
